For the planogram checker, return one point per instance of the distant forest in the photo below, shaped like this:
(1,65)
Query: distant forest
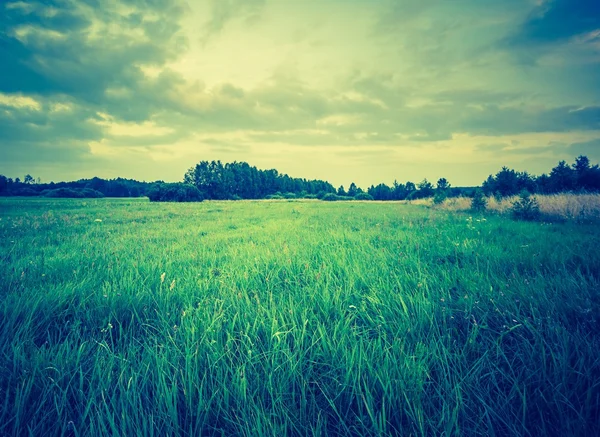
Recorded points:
(239,180)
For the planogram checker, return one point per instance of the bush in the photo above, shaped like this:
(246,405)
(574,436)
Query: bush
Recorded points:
(363,196)
(274,197)
(91,194)
(176,192)
(479,202)
(525,208)
(440,196)
(289,195)
(330,197)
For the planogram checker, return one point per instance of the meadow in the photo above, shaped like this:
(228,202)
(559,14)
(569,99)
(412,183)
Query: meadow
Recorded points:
(247,318)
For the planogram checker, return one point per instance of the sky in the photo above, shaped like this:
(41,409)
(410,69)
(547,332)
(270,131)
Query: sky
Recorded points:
(363,91)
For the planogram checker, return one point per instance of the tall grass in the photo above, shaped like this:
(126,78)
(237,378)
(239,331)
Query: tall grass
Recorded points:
(574,207)
(294,318)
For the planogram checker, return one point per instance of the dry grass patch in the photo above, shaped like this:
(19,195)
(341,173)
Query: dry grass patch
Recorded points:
(578,207)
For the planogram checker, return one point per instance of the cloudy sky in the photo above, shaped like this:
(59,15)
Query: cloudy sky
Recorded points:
(344,90)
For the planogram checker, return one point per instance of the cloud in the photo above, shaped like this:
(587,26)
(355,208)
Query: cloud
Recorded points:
(225,11)
(411,80)
(557,21)
(64,63)
(83,51)
(591,149)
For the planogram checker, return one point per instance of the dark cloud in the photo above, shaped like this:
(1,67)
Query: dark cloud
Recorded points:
(91,55)
(556,21)
(500,120)
(84,49)
(46,125)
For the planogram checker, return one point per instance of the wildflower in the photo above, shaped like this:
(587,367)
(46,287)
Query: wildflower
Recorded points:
(162,278)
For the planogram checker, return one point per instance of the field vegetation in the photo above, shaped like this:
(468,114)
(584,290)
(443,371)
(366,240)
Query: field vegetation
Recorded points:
(126,317)
(553,207)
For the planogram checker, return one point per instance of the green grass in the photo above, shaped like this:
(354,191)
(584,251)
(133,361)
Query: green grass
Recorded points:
(294,318)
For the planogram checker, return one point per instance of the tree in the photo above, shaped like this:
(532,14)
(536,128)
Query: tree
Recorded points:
(587,177)
(562,178)
(352,190)
(380,192)
(3,183)
(341,191)
(526,207)
(478,202)
(28,179)
(425,189)
(443,184)
(506,183)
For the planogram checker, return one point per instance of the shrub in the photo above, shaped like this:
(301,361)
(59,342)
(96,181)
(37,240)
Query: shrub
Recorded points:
(274,197)
(479,201)
(363,196)
(289,195)
(175,192)
(440,196)
(525,207)
(330,197)
(91,194)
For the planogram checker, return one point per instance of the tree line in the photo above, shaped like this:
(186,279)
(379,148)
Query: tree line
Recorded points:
(581,176)
(238,180)
(95,187)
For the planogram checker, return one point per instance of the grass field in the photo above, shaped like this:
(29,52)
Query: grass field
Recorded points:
(122,317)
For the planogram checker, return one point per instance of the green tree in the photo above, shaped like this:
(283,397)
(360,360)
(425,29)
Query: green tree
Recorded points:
(443,184)
(562,178)
(425,189)
(525,207)
(479,201)
(352,190)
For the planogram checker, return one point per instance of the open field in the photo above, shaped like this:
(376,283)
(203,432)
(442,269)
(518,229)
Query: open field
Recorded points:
(122,317)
